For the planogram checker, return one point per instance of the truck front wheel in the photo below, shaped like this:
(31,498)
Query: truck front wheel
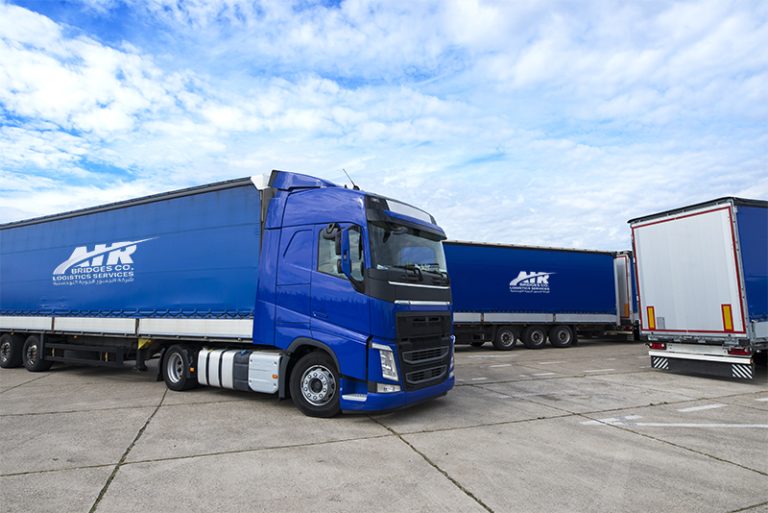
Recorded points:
(33,355)
(534,337)
(176,373)
(505,338)
(315,385)
(11,348)
(561,336)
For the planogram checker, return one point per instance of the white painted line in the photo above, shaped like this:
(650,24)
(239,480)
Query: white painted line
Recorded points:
(544,374)
(500,365)
(612,420)
(547,363)
(644,367)
(479,379)
(599,370)
(700,408)
(610,359)
(491,355)
(644,356)
(762,399)
(737,426)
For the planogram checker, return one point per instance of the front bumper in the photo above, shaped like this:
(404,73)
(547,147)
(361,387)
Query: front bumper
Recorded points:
(374,402)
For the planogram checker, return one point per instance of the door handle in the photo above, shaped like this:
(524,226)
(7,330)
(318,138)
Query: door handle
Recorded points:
(320,315)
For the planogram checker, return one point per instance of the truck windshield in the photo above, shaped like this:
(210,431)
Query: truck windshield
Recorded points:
(397,246)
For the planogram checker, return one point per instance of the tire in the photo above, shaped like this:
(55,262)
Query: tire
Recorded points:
(11,351)
(534,337)
(477,344)
(315,385)
(561,336)
(33,355)
(176,364)
(505,338)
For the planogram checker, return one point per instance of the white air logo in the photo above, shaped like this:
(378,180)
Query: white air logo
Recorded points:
(531,282)
(104,264)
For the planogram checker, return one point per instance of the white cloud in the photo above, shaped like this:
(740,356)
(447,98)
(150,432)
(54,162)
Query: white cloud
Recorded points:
(509,121)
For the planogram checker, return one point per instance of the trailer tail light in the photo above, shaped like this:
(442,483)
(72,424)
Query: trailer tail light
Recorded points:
(727,317)
(651,317)
(659,346)
(739,351)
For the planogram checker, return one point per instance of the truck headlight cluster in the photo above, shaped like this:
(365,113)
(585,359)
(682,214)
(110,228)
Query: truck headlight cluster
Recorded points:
(388,364)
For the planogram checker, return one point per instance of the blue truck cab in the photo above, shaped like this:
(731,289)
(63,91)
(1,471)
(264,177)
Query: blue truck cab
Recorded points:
(290,284)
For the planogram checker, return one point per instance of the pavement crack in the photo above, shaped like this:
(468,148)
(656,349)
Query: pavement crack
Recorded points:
(628,430)
(22,384)
(89,410)
(260,449)
(125,455)
(66,469)
(747,508)
(673,444)
(436,467)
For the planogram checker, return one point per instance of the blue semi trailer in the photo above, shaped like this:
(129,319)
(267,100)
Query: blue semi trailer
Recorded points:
(504,293)
(285,284)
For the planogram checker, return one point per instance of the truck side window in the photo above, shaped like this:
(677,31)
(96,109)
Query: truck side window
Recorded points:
(326,256)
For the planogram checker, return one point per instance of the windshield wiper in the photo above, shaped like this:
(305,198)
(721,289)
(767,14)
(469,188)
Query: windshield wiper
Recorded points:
(419,268)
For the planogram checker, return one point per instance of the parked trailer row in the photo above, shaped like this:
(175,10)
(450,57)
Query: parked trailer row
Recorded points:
(504,293)
(290,286)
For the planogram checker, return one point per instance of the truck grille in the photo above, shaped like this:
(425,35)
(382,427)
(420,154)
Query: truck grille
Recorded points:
(423,376)
(424,343)
(425,355)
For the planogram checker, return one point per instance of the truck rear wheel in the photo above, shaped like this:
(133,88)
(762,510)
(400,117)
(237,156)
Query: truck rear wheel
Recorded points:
(561,336)
(11,348)
(176,373)
(315,385)
(33,355)
(534,337)
(505,338)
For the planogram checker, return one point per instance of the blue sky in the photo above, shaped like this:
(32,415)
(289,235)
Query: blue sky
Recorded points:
(527,122)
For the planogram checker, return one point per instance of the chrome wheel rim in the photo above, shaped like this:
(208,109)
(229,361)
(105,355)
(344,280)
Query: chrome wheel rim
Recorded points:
(31,354)
(506,338)
(318,386)
(175,367)
(5,351)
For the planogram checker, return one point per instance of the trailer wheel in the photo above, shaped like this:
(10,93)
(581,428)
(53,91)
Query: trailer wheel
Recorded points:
(11,349)
(505,338)
(561,336)
(176,372)
(33,355)
(534,337)
(315,385)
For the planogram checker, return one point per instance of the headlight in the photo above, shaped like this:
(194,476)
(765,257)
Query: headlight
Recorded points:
(388,365)
(453,350)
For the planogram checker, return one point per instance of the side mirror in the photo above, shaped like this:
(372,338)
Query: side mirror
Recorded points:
(331,232)
(343,244)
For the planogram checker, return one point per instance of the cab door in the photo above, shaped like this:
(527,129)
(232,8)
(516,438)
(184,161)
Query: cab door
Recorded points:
(340,315)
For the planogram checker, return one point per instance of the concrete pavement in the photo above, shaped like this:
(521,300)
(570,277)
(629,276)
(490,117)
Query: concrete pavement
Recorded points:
(589,428)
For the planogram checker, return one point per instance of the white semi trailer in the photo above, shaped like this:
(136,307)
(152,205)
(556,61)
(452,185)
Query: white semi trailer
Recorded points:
(702,279)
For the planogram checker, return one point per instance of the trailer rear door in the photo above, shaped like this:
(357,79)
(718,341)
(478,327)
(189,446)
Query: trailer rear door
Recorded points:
(688,274)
